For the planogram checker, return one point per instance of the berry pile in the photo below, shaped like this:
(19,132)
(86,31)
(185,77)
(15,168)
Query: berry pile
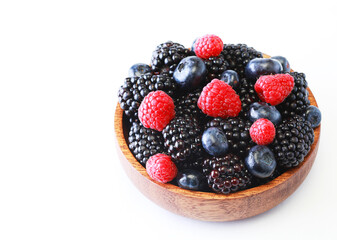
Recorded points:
(217,117)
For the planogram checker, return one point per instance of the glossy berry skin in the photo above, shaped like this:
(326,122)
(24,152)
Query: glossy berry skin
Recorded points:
(190,74)
(259,110)
(161,168)
(262,66)
(284,62)
(214,141)
(231,78)
(139,69)
(191,179)
(260,161)
(313,115)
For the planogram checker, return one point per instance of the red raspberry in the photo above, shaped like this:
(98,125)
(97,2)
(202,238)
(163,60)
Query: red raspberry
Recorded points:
(262,131)
(161,168)
(218,99)
(208,46)
(156,110)
(274,89)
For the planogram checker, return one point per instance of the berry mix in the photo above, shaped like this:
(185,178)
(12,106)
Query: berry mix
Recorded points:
(217,118)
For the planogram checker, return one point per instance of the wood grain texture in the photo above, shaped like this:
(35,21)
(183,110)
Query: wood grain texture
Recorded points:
(212,206)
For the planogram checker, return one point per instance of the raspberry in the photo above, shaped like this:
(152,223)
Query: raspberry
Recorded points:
(161,168)
(262,131)
(274,89)
(218,99)
(208,46)
(156,110)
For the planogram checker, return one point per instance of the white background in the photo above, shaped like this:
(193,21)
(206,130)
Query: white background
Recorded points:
(61,64)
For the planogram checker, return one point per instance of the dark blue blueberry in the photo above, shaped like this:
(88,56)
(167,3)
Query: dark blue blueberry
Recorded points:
(260,161)
(214,141)
(259,110)
(262,66)
(191,179)
(313,115)
(231,78)
(190,74)
(139,69)
(284,62)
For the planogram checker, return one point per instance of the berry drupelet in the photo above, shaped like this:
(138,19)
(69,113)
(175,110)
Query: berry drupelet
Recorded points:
(215,67)
(226,174)
(144,142)
(292,141)
(182,138)
(134,89)
(238,55)
(237,134)
(167,56)
(297,101)
(247,96)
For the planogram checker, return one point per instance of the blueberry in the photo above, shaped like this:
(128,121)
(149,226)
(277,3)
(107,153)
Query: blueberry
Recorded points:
(259,110)
(191,179)
(190,74)
(260,161)
(284,62)
(262,66)
(231,78)
(214,141)
(313,115)
(139,69)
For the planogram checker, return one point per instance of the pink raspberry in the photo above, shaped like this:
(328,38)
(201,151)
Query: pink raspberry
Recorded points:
(218,99)
(161,168)
(262,131)
(208,46)
(156,110)
(274,89)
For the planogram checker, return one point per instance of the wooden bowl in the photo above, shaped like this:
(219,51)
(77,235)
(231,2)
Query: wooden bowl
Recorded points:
(212,206)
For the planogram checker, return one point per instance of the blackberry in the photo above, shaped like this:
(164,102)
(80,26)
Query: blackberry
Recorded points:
(215,67)
(182,138)
(292,141)
(144,142)
(134,89)
(247,96)
(192,163)
(297,102)
(226,174)
(238,55)
(167,56)
(237,133)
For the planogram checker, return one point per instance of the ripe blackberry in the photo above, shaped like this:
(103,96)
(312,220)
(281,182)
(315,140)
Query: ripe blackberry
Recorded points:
(144,142)
(182,138)
(238,55)
(226,174)
(293,141)
(215,67)
(192,163)
(237,133)
(297,102)
(134,89)
(247,96)
(167,56)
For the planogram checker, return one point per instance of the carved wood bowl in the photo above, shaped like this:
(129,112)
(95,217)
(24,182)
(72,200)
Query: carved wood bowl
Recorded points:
(208,206)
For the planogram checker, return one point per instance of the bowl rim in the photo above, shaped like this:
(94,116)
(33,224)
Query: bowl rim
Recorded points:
(282,179)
